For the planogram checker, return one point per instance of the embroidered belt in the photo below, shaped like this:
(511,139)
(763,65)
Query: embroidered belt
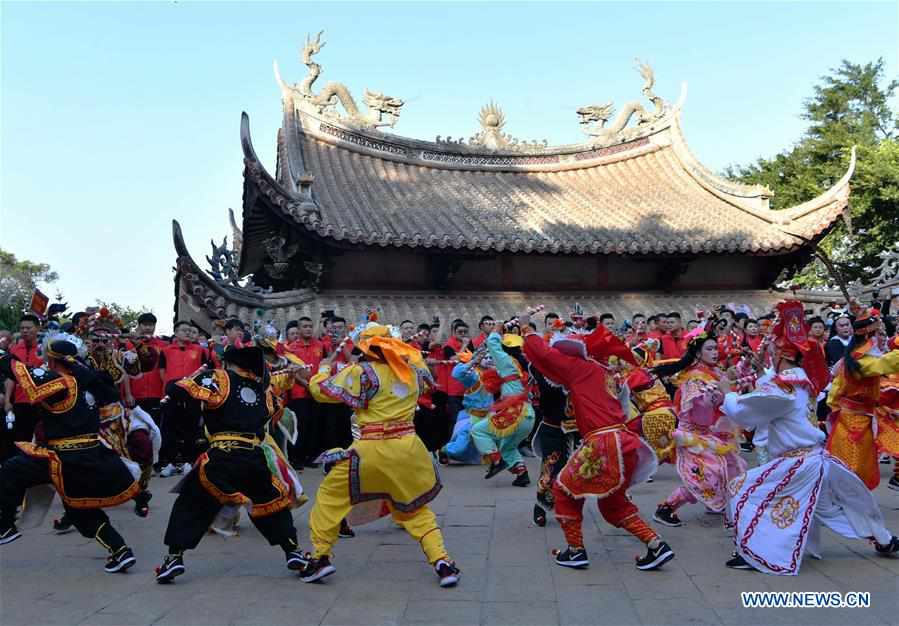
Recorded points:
(382,430)
(229,441)
(79,442)
(110,410)
(855,406)
(606,429)
(796,452)
(478,412)
(662,403)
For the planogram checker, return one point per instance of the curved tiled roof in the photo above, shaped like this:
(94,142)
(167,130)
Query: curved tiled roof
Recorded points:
(645,196)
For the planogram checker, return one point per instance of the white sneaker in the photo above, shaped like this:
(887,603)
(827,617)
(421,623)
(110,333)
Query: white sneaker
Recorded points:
(185,469)
(168,470)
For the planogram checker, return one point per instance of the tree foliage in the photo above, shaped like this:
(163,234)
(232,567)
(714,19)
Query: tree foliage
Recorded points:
(126,314)
(849,107)
(18,280)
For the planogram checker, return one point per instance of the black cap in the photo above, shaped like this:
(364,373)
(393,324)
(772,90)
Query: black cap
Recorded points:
(250,359)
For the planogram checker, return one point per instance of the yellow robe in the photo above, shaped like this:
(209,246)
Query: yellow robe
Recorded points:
(853,400)
(399,470)
(393,473)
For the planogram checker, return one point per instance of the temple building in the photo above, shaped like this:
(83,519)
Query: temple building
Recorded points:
(355,216)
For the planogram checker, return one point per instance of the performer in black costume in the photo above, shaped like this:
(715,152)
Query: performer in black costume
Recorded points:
(237,404)
(87,475)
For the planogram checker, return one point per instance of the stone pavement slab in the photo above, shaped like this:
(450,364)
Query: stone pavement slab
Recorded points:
(382,578)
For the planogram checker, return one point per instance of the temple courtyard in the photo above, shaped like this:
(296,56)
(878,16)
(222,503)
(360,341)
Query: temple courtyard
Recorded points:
(382,578)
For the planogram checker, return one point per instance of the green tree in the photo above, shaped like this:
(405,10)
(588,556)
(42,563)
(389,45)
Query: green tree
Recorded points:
(126,314)
(18,280)
(850,107)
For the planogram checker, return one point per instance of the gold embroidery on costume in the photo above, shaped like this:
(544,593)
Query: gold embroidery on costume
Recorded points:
(785,512)
(734,486)
(214,390)
(37,392)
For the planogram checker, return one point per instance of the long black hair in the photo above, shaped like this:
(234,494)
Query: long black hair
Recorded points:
(690,357)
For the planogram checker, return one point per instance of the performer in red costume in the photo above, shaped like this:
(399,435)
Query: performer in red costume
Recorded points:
(611,458)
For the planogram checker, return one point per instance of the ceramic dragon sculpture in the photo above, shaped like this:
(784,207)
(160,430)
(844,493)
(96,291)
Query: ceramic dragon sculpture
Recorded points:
(594,118)
(381,110)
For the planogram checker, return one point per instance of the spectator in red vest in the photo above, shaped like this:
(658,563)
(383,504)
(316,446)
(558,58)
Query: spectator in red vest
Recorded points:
(181,414)
(753,335)
(302,343)
(336,419)
(146,388)
(16,401)
(485,326)
(455,390)
(818,331)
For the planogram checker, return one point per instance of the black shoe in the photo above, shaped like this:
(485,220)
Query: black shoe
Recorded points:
(894,483)
(142,503)
(317,569)
(62,525)
(120,561)
(447,572)
(442,457)
(522,480)
(172,566)
(655,559)
(9,535)
(666,515)
(571,557)
(539,516)
(297,559)
(745,446)
(890,548)
(738,562)
(345,531)
(496,468)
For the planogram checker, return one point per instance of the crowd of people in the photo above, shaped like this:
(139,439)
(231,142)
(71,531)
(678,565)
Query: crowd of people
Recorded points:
(241,410)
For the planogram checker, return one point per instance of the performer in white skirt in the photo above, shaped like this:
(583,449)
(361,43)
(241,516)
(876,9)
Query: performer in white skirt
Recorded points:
(777,509)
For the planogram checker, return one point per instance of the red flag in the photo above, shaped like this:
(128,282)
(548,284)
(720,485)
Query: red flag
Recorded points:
(39,302)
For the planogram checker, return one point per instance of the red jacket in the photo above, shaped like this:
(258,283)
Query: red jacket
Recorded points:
(149,385)
(180,360)
(673,346)
(591,387)
(452,386)
(312,354)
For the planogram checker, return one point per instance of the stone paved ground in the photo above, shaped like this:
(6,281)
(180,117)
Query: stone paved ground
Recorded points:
(383,579)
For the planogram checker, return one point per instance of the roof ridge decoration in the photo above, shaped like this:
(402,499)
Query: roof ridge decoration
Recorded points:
(490,137)
(595,117)
(382,110)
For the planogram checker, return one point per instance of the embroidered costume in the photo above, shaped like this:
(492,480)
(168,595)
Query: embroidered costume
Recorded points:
(87,475)
(388,468)
(707,453)
(511,418)
(854,397)
(476,405)
(237,404)
(777,509)
(611,458)
(554,441)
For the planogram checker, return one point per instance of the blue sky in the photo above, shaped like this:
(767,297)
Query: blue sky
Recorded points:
(118,117)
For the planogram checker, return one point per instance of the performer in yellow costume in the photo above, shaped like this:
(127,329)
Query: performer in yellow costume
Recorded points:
(388,467)
(854,397)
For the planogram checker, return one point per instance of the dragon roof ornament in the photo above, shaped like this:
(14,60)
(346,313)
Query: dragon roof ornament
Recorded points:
(381,110)
(594,118)
(491,135)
